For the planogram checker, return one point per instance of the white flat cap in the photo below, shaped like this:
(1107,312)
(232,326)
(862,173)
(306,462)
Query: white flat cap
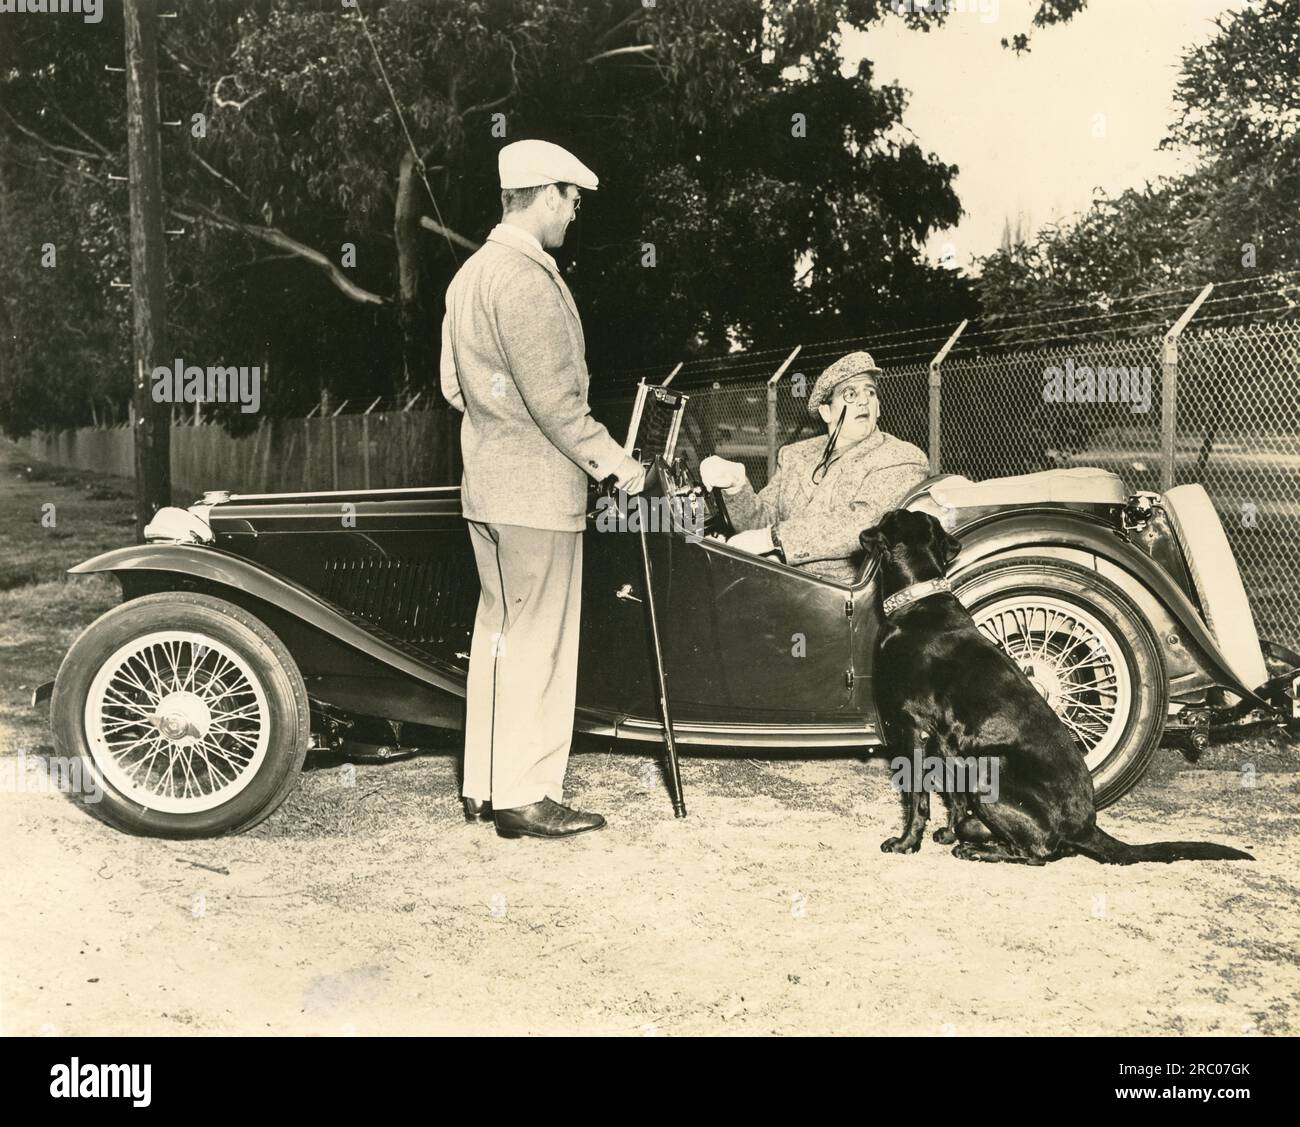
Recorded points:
(524,164)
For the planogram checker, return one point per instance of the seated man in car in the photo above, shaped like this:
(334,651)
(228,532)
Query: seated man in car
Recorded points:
(827,489)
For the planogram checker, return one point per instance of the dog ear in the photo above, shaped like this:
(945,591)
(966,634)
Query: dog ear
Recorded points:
(873,540)
(944,545)
(951,546)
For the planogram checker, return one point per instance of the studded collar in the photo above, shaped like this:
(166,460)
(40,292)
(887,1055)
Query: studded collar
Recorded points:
(916,591)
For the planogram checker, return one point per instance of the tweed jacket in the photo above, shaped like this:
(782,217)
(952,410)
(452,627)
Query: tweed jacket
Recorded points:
(818,525)
(513,360)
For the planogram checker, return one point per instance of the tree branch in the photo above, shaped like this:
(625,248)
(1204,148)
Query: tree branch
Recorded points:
(58,109)
(635,14)
(429,225)
(220,176)
(181,64)
(222,103)
(514,87)
(640,49)
(84,153)
(278,239)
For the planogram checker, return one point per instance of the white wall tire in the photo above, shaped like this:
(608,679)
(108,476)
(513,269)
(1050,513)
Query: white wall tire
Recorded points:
(1089,652)
(187,711)
(1073,658)
(177,721)
(1217,581)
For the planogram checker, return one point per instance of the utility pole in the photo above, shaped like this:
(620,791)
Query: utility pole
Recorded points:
(148,262)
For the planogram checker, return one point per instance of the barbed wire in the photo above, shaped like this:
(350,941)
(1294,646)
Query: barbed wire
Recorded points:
(1286,309)
(970,344)
(968,341)
(990,323)
(987,325)
(1188,288)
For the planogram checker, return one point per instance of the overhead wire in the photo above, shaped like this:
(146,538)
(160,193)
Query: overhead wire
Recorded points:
(410,141)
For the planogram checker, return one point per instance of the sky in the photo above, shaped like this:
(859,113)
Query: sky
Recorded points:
(1025,132)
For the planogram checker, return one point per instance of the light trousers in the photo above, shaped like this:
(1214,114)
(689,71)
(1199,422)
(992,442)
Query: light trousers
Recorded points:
(523,664)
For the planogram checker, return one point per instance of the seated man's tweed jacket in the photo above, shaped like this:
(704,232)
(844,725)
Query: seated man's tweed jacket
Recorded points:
(514,360)
(818,525)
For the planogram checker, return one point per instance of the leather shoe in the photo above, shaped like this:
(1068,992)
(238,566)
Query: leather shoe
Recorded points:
(477,810)
(545,819)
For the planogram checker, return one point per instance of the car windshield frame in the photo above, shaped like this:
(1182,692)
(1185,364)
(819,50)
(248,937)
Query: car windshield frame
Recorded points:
(669,399)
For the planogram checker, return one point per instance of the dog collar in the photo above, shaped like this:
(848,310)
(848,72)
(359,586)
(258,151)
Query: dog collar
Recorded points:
(916,591)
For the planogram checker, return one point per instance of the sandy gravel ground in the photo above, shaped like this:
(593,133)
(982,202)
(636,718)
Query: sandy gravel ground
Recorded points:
(367,906)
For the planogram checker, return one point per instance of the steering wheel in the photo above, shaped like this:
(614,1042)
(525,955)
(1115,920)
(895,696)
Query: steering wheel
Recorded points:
(722,521)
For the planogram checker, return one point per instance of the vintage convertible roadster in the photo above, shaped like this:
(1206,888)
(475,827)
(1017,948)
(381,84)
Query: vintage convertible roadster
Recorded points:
(257,628)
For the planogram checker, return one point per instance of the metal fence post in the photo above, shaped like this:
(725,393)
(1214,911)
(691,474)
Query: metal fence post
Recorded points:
(306,448)
(406,437)
(771,410)
(1169,391)
(936,398)
(365,443)
(267,425)
(334,445)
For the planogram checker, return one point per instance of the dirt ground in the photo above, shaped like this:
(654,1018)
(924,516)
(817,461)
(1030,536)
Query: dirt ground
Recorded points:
(366,905)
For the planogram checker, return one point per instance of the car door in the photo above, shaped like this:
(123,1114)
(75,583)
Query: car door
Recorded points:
(745,639)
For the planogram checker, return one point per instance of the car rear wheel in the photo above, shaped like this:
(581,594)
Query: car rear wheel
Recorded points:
(187,711)
(1087,649)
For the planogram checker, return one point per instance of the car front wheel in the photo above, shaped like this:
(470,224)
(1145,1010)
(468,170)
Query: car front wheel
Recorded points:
(1087,649)
(188,713)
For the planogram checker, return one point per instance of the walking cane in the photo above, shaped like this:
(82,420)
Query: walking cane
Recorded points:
(674,772)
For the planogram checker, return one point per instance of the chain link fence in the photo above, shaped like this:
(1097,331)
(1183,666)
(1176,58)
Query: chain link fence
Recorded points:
(1223,411)
(1238,434)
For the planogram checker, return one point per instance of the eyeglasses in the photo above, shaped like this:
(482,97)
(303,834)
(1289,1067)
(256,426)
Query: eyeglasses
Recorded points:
(575,199)
(856,391)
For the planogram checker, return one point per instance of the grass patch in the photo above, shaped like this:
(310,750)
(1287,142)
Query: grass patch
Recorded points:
(51,518)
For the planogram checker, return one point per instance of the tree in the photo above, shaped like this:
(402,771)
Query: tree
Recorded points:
(772,192)
(1236,214)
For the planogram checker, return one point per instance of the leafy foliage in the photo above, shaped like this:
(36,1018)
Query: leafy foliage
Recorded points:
(687,110)
(1236,214)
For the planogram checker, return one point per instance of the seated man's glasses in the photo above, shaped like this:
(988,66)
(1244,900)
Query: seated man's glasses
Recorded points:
(856,392)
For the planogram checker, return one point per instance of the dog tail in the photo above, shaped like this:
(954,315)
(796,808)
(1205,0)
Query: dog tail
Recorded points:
(1100,846)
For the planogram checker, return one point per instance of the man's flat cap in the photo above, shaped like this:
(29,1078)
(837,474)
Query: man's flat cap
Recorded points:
(525,164)
(850,367)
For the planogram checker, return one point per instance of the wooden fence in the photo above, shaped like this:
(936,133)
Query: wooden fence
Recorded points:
(383,450)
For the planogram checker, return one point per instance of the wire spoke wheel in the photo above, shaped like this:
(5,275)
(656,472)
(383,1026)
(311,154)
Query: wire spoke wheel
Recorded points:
(177,721)
(1084,644)
(187,710)
(1073,659)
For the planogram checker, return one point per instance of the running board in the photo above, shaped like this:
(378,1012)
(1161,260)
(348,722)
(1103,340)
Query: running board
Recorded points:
(749,735)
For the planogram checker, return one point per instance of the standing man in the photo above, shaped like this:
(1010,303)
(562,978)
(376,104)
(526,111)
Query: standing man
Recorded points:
(513,360)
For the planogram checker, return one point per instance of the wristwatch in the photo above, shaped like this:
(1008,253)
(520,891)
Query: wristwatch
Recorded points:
(777,545)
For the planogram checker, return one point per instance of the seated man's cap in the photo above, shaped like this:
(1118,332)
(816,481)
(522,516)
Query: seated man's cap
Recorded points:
(525,164)
(849,367)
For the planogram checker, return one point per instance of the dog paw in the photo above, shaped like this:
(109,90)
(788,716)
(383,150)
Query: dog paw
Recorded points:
(945,836)
(898,845)
(966,852)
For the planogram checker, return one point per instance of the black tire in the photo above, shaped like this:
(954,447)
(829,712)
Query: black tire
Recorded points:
(1134,736)
(230,629)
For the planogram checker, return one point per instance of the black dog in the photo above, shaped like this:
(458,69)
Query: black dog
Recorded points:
(939,678)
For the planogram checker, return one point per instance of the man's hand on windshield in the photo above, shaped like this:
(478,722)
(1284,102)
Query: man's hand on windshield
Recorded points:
(630,476)
(718,473)
(756,541)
